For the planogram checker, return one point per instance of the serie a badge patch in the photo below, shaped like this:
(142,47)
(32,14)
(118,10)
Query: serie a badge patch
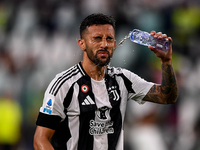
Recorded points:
(49,106)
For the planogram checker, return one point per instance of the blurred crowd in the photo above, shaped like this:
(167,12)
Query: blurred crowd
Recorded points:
(38,39)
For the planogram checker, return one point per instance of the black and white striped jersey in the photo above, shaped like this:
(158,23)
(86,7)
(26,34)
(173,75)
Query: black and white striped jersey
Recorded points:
(89,114)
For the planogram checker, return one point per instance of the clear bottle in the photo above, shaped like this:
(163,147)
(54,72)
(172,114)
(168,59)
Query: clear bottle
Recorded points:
(144,38)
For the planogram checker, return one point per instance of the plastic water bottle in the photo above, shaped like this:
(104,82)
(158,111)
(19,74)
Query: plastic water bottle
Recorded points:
(144,38)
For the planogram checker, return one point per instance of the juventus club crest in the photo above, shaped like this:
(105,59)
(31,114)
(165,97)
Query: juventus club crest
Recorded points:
(113,93)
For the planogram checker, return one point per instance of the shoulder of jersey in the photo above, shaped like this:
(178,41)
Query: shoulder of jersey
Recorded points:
(114,70)
(62,77)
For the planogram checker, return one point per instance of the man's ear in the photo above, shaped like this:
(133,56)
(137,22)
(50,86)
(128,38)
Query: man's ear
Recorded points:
(81,43)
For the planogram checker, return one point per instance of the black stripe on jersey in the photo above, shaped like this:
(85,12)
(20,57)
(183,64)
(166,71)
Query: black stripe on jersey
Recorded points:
(68,98)
(61,136)
(115,112)
(116,117)
(87,113)
(61,77)
(86,140)
(127,83)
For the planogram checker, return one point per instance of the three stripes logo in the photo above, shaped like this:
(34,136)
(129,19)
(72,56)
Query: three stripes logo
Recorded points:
(88,101)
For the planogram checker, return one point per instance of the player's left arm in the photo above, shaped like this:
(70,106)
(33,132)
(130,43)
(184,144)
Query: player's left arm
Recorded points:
(167,92)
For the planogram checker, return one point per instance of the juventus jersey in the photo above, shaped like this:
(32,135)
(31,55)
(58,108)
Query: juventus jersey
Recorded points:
(87,114)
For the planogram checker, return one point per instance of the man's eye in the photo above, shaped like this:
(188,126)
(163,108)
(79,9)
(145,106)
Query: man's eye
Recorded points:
(97,38)
(109,38)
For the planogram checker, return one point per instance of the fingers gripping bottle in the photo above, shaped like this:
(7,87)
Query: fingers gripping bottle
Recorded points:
(144,38)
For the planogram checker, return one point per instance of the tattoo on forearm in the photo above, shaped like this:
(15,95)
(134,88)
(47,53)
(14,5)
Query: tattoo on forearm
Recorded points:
(169,86)
(167,92)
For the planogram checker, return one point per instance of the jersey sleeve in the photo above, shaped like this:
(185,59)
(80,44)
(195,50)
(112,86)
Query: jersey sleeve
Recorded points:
(139,86)
(52,109)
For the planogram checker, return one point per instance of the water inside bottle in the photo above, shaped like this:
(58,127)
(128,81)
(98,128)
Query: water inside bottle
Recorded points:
(144,38)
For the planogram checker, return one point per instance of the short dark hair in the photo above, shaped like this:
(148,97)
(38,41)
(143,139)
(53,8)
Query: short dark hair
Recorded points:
(96,19)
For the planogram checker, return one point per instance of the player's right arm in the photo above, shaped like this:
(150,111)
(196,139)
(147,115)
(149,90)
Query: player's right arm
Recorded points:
(42,138)
(167,92)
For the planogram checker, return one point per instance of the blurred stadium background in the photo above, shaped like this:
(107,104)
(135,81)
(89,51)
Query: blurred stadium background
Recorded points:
(38,39)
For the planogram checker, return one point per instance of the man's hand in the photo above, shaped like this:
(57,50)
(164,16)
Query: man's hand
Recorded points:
(165,57)
(167,92)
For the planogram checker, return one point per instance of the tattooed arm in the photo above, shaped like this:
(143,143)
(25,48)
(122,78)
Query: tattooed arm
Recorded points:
(167,92)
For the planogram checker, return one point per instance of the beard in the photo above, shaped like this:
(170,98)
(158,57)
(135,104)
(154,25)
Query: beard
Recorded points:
(99,61)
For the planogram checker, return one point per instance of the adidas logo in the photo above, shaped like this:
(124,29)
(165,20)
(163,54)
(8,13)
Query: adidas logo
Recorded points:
(88,101)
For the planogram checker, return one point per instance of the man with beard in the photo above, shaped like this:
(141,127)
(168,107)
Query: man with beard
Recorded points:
(84,106)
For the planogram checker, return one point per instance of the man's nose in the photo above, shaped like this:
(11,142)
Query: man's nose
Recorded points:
(104,43)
